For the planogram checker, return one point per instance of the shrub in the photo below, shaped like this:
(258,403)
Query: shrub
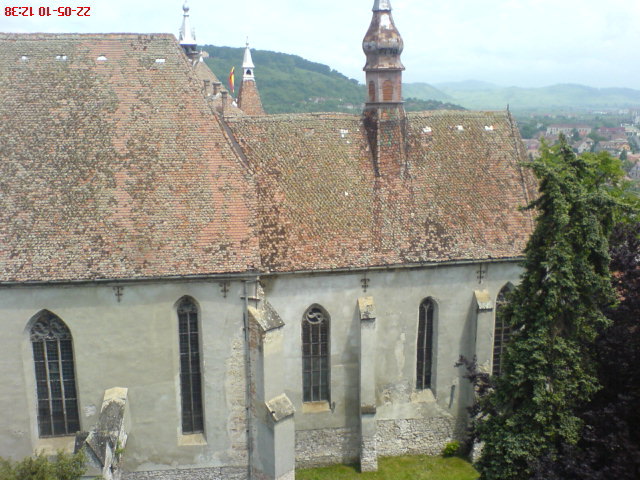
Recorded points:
(451,449)
(63,467)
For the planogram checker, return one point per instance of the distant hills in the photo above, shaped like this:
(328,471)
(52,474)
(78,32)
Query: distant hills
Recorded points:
(481,95)
(291,84)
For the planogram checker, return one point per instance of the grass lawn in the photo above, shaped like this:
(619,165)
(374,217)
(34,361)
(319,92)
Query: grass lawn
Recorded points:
(398,468)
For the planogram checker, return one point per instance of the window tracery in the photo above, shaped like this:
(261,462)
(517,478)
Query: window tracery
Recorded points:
(52,346)
(190,371)
(502,331)
(425,345)
(315,355)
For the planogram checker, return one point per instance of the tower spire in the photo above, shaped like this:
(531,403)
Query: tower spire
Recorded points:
(248,97)
(384,115)
(187,37)
(383,46)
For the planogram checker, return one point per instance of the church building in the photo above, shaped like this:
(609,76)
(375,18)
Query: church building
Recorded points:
(191,288)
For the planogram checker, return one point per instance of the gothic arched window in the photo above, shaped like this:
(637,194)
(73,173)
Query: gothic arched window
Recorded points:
(425,344)
(55,376)
(502,332)
(190,372)
(315,355)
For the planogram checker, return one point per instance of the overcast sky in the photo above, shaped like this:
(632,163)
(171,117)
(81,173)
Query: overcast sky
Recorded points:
(526,43)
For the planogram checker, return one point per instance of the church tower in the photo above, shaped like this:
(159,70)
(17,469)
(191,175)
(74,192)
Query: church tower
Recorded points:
(187,37)
(248,97)
(384,114)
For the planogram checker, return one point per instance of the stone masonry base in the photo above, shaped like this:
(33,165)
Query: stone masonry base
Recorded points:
(425,436)
(216,473)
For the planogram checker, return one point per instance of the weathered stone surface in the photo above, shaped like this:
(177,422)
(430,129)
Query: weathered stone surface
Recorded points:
(315,448)
(483,300)
(280,408)
(420,436)
(104,444)
(214,473)
(266,317)
(367,308)
(368,455)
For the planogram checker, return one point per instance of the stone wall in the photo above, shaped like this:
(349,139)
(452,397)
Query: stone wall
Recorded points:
(423,436)
(316,448)
(217,473)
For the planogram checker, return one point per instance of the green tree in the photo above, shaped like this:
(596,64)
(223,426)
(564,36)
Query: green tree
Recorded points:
(575,135)
(40,467)
(549,370)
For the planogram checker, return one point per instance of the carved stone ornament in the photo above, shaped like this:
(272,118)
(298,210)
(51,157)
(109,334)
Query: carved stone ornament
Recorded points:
(315,316)
(49,327)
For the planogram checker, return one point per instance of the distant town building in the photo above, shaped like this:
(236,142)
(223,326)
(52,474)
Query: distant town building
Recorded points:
(614,133)
(568,129)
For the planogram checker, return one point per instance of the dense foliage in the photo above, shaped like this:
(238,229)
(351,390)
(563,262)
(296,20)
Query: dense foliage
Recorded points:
(291,84)
(40,467)
(610,444)
(550,369)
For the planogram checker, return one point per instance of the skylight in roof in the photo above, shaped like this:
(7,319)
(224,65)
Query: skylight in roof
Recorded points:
(489,128)
(160,60)
(101,58)
(24,58)
(61,58)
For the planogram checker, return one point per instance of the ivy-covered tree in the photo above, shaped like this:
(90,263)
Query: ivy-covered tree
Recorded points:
(610,443)
(549,368)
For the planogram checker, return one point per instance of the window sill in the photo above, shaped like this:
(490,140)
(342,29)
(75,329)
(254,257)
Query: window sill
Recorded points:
(52,445)
(423,396)
(316,407)
(192,440)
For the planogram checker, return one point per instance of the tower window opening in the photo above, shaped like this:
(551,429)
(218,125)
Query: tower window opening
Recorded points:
(372,92)
(387,91)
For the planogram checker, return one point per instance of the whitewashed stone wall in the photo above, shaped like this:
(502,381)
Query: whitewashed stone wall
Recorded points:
(316,448)
(424,436)
(222,473)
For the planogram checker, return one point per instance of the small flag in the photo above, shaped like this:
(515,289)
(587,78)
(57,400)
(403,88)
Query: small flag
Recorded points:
(232,79)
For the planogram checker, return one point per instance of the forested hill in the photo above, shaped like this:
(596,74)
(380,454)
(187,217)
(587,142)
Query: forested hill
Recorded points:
(481,95)
(291,84)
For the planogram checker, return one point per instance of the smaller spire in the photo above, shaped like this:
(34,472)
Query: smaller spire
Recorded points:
(187,37)
(247,64)
(248,97)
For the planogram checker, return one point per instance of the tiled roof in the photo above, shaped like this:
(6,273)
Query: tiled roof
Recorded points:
(112,164)
(322,206)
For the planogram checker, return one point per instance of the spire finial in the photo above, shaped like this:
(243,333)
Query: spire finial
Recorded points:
(382,5)
(247,62)
(187,36)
